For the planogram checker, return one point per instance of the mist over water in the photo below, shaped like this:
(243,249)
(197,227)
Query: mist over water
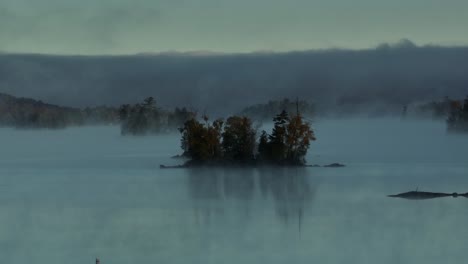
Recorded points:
(377,81)
(68,196)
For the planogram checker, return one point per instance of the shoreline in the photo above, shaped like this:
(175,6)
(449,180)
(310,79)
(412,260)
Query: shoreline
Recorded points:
(191,166)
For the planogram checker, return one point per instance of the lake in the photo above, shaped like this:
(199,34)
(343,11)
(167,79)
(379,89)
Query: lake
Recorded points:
(69,196)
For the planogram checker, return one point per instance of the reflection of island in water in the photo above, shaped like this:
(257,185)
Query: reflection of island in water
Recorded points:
(214,191)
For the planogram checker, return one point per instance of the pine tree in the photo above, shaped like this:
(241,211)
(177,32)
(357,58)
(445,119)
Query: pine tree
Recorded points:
(277,139)
(264,148)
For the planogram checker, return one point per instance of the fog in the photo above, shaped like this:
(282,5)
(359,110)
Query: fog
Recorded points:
(381,80)
(68,196)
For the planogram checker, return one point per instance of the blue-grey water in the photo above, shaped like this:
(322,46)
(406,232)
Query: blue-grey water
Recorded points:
(72,195)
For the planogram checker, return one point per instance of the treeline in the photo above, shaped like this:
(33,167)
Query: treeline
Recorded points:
(30,113)
(458,117)
(435,109)
(138,119)
(234,141)
(455,112)
(263,112)
(147,118)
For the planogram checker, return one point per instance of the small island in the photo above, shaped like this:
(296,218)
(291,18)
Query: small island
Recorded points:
(234,142)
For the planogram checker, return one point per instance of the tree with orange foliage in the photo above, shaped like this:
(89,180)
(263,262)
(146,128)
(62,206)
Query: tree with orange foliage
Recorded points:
(289,141)
(234,142)
(298,137)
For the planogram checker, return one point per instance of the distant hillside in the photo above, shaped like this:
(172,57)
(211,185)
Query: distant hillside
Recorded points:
(30,113)
(138,119)
(347,81)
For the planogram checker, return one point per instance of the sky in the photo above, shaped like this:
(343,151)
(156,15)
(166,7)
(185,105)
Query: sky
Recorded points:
(90,27)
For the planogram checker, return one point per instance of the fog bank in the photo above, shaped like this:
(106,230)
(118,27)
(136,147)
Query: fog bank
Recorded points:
(384,78)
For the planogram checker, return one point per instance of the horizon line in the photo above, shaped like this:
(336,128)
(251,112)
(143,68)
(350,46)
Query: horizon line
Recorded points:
(401,44)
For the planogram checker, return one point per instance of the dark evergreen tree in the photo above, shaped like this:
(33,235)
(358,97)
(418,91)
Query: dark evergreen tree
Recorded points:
(264,148)
(238,139)
(277,139)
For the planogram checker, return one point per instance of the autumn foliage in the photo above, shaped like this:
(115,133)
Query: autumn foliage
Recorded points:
(202,142)
(289,141)
(234,141)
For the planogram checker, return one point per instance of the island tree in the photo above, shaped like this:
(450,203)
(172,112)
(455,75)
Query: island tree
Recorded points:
(234,142)
(202,142)
(238,139)
(289,141)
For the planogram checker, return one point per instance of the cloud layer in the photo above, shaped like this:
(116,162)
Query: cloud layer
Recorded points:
(120,27)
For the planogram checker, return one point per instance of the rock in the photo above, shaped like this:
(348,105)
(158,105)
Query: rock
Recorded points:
(417,195)
(335,165)
(180,156)
(172,167)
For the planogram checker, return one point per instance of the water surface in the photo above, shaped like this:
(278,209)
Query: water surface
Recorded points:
(69,196)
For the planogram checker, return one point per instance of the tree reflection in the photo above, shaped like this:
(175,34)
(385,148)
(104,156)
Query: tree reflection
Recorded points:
(290,190)
(205,191)
(212,190)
